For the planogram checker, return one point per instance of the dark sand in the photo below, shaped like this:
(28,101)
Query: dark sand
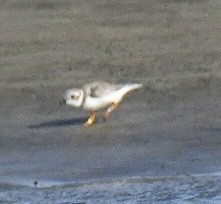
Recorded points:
(172,127)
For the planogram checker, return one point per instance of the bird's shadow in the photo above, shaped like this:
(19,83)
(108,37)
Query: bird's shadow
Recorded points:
(59,123)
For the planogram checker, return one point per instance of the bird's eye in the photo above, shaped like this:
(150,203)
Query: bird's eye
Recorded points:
(75,97)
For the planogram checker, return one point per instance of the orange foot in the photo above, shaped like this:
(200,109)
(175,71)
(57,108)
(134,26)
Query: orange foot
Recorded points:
(90,120)
(109,110)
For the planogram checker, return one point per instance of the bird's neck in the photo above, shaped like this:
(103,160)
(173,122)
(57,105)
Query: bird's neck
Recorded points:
(84,98)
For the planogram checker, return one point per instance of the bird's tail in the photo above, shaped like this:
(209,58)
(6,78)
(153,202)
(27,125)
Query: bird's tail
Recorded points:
(134,86)
(131,87)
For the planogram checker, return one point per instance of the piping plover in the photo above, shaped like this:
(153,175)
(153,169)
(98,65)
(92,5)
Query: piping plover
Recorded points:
(97,96)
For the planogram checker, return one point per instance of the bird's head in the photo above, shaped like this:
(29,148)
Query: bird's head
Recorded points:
(73,97)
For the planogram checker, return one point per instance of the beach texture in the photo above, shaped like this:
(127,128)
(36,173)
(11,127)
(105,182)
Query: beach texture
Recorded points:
(172,127)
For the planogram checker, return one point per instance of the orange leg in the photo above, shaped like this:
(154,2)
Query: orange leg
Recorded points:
(110,109)
(91,119)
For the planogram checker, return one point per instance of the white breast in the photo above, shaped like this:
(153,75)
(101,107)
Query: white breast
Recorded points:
(93,103)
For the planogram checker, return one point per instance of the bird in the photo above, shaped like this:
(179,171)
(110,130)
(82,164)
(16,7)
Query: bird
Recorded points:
(99,95)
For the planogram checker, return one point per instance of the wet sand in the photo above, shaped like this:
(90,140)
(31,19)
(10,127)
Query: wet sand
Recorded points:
(170,128)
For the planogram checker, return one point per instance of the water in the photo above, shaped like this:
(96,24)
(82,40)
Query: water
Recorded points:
(176,189)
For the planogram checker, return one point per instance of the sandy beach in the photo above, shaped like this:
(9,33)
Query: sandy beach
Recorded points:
(172,127)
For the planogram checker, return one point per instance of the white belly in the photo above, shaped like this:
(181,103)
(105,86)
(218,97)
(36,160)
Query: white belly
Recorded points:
(94,104)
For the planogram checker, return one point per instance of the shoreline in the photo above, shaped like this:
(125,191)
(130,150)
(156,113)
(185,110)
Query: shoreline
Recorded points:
(43,184)
(172,127)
